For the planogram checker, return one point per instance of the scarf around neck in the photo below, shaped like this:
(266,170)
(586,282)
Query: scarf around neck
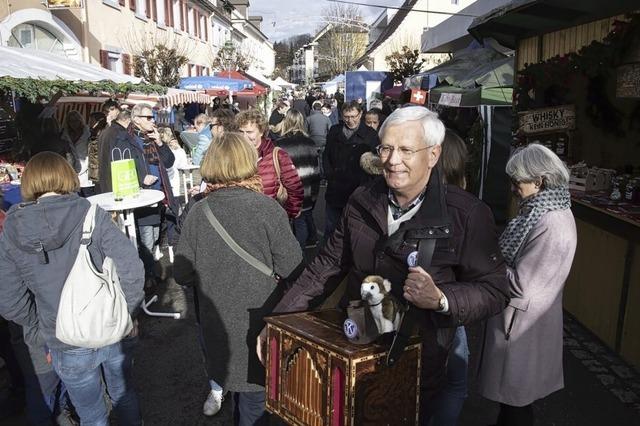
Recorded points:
(253,183)
(530,211)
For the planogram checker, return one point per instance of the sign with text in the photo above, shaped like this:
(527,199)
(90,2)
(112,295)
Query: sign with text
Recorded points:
(548,120)
(628,81)
(64,4)
(450,99)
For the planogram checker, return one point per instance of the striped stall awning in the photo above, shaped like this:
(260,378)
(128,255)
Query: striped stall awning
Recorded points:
(172,98)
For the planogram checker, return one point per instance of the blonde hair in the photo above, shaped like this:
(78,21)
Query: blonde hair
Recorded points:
(230,158)
(292,123)
(47,172)
(166,135)
(252,116)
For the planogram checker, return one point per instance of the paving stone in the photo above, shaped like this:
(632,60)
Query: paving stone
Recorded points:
(606,379)
(622,371)
(593,347)
(572,343)
(580,354)
(624,395)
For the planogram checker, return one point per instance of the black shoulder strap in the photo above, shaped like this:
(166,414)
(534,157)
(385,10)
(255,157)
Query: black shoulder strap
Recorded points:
(426,248)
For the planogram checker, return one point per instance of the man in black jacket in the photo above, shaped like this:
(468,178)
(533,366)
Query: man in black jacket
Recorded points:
(341,160)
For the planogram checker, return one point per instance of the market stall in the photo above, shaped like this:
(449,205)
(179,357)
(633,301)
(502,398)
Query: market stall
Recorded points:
(473,94)
(578,93)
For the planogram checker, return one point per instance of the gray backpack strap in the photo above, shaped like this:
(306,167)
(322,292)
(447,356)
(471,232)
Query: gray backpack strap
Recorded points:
(234,246)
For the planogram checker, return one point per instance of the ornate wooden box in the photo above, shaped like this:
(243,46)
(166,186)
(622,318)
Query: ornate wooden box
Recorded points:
(315,376)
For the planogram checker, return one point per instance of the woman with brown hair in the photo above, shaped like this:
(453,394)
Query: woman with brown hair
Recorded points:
(276,171)
(38,247)
(233,294)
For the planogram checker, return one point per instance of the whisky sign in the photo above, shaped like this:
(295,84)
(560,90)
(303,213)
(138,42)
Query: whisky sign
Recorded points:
(547,120)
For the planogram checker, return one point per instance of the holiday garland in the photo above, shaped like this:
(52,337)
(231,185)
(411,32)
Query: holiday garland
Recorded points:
(33,89)
(547,83)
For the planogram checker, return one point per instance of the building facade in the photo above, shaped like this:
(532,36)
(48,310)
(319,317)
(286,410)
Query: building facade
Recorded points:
(111,32)
(395,28)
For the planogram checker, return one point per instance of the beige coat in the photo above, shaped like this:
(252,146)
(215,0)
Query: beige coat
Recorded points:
(522,352)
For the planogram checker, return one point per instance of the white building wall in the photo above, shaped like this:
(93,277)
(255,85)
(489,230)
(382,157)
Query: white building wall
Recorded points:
(410,30)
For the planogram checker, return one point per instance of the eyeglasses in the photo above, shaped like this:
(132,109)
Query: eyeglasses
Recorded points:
(385,151)
(148,117)
(351,117)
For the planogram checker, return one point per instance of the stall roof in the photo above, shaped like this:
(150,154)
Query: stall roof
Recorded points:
(257,88)
(261,79)
(208,82)
(31,63)
(527,18)
(283,83)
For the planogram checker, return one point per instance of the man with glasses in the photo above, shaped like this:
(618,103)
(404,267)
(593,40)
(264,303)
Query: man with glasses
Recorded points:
(436,243)
(158,157)
(341,160)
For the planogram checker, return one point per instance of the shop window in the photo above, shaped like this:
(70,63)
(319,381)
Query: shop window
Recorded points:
(31,36)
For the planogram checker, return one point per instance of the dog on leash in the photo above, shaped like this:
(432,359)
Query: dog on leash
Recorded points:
(384,306)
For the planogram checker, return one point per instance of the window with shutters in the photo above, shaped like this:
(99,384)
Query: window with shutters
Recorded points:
(203,28)
(141,8)
(112,60)
(191,19)
(161,19)
(177,14)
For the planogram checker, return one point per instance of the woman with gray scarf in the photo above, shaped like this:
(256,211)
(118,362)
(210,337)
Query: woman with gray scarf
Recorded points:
(522,353)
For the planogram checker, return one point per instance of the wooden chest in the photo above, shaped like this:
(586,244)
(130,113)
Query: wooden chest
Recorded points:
(315,376)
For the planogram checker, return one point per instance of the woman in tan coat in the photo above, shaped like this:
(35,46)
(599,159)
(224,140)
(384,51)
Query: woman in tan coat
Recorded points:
(522,353)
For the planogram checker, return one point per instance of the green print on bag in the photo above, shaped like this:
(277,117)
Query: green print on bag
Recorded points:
(124,177)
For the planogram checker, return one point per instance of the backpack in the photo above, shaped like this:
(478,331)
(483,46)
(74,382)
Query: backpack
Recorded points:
(93,166)
(93,310)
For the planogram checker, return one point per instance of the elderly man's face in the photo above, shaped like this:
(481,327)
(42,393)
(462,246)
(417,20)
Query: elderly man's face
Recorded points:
(352,118)
(408,165)
(145,120)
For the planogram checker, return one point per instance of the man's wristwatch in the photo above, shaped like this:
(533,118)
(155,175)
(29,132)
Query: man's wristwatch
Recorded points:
(442,303)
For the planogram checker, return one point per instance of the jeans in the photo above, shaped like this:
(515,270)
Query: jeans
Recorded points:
(332,215)
(148,235)
(445,408)
(304,228)
(249,409)
(81,371)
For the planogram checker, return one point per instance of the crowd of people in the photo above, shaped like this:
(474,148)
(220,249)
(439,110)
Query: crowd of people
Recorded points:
(389,175)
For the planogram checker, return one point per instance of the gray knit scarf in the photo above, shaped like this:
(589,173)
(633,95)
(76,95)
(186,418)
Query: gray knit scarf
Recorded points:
(530,211)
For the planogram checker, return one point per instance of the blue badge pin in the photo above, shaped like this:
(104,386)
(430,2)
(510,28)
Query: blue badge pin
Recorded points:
(412,259)
(350,329)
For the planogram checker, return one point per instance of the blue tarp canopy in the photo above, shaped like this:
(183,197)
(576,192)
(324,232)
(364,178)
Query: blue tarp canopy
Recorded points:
(208,82)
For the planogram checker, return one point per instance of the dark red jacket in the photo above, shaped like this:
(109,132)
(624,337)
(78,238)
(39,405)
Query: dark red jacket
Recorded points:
(288,175)
(467,267)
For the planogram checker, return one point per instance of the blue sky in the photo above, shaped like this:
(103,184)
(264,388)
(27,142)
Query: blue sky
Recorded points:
(285,18)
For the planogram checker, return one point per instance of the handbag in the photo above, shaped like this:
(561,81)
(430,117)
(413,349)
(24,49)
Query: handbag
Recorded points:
(235,246)
(124,177)
(281,194)
(93,310)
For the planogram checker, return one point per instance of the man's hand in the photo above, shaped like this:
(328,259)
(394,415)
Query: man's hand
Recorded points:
(134,330)
(261,346)
(420,289)
(155,136)
(149,180)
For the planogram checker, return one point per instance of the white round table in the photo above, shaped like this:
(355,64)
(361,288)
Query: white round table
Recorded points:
(125,207)
(186,176)
(127,224)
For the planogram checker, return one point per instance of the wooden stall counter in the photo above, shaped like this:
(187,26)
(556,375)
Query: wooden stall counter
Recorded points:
(603,288)
(316,376)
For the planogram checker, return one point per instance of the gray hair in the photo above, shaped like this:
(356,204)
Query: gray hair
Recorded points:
(138,108)
(534,162)
(432,127)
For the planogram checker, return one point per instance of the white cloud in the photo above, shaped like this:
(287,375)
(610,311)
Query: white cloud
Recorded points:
(285,18)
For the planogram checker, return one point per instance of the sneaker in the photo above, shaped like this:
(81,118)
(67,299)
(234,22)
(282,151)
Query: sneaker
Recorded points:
(157,255)
(213,403)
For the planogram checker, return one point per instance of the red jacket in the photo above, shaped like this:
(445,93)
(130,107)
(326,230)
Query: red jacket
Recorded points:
(288,176)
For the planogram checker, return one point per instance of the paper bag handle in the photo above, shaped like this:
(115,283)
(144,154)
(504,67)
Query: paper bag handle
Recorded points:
(122,153)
